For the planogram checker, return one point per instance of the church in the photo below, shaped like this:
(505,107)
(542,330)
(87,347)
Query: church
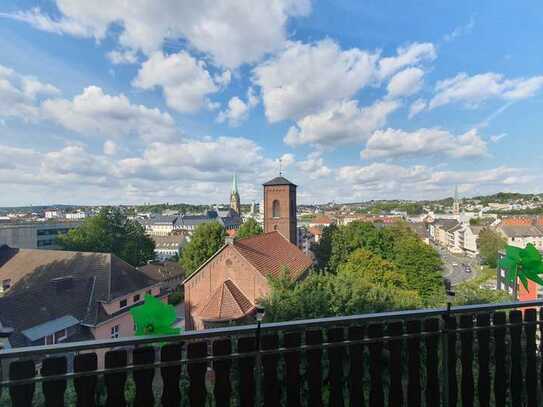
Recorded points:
(227,287)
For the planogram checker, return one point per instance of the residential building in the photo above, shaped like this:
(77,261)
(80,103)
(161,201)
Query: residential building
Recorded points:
(160,225)
(439,231)
(57,296)
(53,214)
(421,229)
(34,235)
(521,231)
(471,240)
(320,221)
(168,246)
(169,273)
(79,215)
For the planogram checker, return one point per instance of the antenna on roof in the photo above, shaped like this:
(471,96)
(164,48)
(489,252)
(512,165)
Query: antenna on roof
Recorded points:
(280,168)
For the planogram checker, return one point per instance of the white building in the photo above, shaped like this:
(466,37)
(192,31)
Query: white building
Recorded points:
(79,215)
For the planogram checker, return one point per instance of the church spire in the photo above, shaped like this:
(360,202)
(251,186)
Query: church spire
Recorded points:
(235,184)
(234,195)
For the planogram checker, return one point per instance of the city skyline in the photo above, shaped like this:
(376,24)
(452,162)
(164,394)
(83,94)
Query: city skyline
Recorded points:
(163,103)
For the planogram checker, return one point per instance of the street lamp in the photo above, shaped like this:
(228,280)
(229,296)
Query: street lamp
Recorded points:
(260,312)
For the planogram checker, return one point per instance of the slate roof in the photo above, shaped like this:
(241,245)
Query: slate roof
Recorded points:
(521,230)
(279,181)
(50,284)
(163,271)
(270,252)
(169,242)
(446,224)
(226,303)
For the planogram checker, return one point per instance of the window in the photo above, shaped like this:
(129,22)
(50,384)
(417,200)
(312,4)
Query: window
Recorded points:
(149,292)
(115,331)
(123,303)
(6,284)
(136,298)
(276,209)
(49,340)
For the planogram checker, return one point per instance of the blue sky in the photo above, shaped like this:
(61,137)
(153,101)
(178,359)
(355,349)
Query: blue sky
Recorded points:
(164,101)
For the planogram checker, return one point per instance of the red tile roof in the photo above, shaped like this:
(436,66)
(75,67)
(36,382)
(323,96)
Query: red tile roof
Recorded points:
(226,303)
(270,252)
(321,220)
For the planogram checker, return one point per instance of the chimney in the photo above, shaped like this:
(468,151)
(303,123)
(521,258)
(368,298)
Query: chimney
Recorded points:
(229,240)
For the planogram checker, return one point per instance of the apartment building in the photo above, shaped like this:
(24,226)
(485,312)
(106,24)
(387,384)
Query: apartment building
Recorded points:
(34,235)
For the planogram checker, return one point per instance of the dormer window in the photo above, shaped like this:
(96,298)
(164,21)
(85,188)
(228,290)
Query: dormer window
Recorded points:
(6,284)
(123,303)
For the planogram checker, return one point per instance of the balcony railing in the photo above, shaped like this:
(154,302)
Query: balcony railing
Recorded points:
(469,356)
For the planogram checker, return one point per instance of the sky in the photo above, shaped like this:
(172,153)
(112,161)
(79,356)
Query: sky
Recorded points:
(116,102)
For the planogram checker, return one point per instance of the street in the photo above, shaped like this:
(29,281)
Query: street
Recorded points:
(453,268)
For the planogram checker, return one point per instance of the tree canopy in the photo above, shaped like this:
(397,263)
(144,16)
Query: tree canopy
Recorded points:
(418,263)
(490,243)
(205,241)
(249,228)
(110,231)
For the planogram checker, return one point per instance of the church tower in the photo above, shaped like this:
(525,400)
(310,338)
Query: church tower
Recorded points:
(280,208)
(234,196)
(456,202)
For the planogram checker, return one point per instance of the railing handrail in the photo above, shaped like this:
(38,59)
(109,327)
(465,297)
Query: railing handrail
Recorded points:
(265,328)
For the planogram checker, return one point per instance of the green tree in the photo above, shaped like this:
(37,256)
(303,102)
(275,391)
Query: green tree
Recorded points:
(249,228)
(205,241)
(111,232)
(490,243)
(470,293)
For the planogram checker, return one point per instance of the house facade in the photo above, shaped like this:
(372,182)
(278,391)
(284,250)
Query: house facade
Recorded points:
(57,296)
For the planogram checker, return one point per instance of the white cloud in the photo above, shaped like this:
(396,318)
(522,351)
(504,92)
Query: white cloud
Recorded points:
(19,94)
(125,56)
(413,54)
(313,166)
(405,83)
(238,110)
(197,159)
(424,142)
(380,180)
(344,122)
(303,78)
(43,22)
(112,116)
(110,147)
(232,32)
(473,90)
(185,81)
(416,107)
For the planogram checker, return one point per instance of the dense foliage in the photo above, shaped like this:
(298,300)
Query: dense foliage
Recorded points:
(361,268)
(474,291)
(111,232)
(399,245)
(205,241)
(249,228)
(490,243)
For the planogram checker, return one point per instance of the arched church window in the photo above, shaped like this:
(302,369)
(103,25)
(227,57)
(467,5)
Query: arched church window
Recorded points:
(276,209)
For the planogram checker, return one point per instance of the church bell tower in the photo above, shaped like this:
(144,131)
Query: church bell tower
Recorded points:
(234,196)
(280,208)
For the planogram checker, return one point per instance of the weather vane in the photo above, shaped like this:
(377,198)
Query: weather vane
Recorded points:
(280,169)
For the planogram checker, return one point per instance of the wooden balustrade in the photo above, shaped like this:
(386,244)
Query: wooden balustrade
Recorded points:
(492,359)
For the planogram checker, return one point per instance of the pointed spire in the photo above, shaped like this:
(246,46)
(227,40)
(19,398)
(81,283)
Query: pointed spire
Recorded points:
(235,184)
(456,192)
